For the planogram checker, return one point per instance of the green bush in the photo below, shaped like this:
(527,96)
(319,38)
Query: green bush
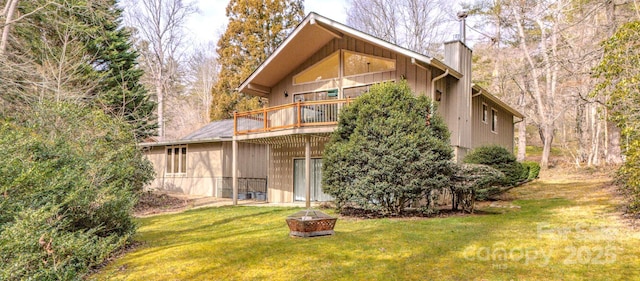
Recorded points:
(473,181)
(532,168)
(629,175)
(499,158)
(67,190)
(387,152)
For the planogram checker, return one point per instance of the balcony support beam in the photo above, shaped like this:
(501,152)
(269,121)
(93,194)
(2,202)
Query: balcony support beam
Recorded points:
(307,170)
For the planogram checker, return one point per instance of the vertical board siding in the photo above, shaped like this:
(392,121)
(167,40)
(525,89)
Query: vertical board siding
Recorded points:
(416,77)
(206,162)
(280,183)
(482,134)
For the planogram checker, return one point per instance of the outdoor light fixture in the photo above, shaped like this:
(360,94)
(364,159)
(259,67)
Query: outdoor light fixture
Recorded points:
(286,94)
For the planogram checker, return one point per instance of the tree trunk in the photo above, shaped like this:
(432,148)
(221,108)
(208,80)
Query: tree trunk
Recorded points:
(9,9)
(160,109)
(546,134)
(614,153)
(522,140)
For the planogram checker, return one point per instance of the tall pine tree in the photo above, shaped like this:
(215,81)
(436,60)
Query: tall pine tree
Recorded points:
(75,51)
(255,29)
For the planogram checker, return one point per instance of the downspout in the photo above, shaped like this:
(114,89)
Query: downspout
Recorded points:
(433,83)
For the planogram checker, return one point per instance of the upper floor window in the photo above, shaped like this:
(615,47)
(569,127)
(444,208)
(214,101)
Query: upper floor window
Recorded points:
(356,63)
(325,69)
(485,112)
(353,64)
(494,120)
(176,160)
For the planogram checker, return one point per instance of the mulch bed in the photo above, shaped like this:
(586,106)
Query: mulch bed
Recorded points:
(154,203)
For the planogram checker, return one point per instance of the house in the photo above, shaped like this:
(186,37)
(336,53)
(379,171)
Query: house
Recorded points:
(319,69)
(200,164)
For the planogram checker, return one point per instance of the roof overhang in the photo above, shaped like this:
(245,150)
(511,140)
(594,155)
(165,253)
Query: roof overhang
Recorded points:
(178,142)
(477,90)
(313,33)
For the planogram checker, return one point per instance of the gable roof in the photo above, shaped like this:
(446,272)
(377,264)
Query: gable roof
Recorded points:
(477,90)
(314,32)
(216,129)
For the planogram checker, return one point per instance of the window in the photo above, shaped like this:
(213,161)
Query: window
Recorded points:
(326,69)
(494,120)
(355,92)
(318,95)
(176,160)
(484,112)
(355,63)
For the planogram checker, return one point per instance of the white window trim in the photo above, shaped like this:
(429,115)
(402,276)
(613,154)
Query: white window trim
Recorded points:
(180,164)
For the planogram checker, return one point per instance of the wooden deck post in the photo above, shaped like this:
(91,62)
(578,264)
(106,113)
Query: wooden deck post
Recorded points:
(264,116)
(234,170)
(299,112)
(235,123)
(307,170)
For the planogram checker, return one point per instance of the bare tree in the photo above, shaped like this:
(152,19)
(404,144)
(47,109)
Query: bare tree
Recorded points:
(418,25)
(159,28)
(190,109)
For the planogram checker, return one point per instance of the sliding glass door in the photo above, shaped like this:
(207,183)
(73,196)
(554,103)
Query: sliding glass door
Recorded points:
(299,191)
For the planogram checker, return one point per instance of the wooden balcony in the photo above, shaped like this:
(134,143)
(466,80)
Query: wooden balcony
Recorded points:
(288,116)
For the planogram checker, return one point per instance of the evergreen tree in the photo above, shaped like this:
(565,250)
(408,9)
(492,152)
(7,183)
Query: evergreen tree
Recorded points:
(255,29)
(620,84)
(74,51)
(387,152)
(120,92)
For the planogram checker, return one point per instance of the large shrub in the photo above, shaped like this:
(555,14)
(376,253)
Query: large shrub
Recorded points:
(69,181)
(387,152)
(500,158)
(532,170)
(473,181)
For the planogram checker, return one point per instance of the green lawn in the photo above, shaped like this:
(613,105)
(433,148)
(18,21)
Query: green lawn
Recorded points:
(563,230)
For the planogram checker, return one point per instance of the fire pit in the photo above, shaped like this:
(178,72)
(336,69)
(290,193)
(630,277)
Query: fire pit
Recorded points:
(310,223)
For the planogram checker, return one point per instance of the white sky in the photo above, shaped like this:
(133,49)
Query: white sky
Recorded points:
(210,23)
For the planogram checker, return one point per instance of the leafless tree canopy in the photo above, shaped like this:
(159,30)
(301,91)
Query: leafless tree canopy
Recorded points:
(418,25)
(159,29)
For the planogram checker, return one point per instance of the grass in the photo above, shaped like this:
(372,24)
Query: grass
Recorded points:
(536,151)
(562,230)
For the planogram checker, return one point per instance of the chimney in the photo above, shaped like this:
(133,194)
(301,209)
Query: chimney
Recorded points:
(462,16)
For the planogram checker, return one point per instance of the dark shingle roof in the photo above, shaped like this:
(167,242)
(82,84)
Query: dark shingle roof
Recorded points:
(216,129)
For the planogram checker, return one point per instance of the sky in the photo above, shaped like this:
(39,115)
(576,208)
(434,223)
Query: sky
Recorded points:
(209,24)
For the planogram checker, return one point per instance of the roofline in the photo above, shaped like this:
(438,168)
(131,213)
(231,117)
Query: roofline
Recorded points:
(314,18)
(495,99)
(176,142)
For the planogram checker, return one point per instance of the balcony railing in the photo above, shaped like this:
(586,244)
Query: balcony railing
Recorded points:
(288,116)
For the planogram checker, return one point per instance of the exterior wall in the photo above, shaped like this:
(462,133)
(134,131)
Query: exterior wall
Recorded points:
(417,77)
(458,56)
(203,167)
(252,160)
(482,134)
(207,164)
(280,179)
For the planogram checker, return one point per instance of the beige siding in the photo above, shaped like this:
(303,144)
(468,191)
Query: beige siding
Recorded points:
(482,134)
(417,77)
(458,56)
(252,160)
(280,180)
(205,167)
